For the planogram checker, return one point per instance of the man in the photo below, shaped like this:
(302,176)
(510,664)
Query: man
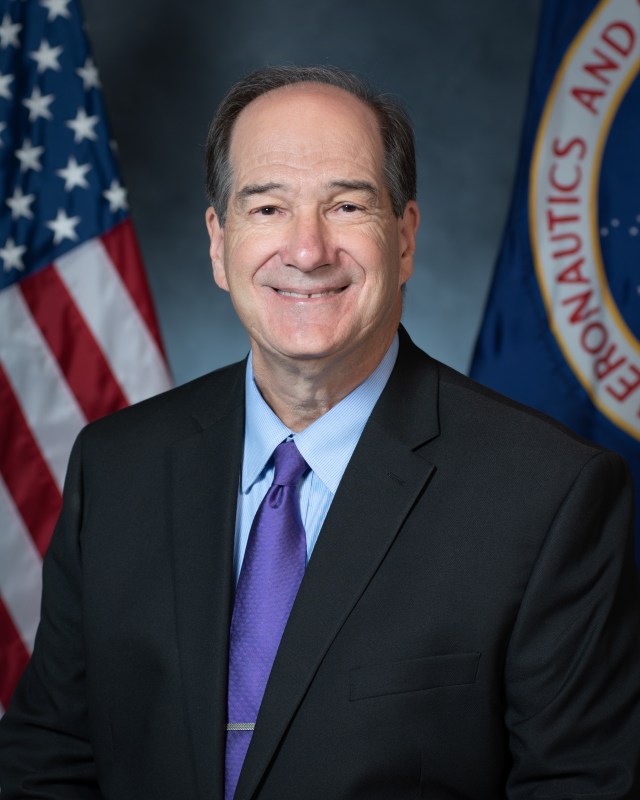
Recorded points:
(467,625)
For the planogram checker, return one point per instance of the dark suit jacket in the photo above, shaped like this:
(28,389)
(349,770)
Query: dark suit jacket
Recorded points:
(467,626)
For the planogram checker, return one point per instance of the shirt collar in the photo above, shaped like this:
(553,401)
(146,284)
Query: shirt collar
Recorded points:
(328,443)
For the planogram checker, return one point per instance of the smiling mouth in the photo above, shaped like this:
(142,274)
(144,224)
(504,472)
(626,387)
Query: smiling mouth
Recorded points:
(310,296)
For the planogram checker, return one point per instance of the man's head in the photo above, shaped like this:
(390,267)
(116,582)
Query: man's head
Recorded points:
(313,249)
(395,129)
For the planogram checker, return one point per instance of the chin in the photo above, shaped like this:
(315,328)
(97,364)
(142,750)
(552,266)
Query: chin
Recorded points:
(309,341)
(305,350)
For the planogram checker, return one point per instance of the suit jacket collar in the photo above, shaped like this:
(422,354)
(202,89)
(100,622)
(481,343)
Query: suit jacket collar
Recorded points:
(384,478)
(204,475)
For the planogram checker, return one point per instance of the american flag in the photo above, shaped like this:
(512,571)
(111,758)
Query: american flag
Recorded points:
(78,334)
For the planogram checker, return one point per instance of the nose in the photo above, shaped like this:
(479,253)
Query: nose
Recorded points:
(308,242)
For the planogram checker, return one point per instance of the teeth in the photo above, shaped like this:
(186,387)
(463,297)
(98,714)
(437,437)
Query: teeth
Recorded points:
(308,296)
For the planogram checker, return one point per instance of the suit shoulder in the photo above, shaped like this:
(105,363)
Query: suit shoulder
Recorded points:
(174,413)
(483,414)
(494,447)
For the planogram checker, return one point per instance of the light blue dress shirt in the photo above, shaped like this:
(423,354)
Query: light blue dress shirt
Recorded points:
(326,445)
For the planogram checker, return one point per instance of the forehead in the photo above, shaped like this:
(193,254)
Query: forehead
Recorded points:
(306,124)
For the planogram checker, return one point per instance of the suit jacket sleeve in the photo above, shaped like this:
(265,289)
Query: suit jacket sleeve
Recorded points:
(45,748)
(572,689)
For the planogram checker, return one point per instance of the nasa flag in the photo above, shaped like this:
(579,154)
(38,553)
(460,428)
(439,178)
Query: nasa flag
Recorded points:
(561,330)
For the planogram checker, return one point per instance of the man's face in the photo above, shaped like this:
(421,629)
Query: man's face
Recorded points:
(311,251)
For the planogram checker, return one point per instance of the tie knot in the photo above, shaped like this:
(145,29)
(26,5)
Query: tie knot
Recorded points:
(290,466)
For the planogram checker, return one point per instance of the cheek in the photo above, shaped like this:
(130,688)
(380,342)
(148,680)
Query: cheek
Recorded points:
(379,255)
(248,254)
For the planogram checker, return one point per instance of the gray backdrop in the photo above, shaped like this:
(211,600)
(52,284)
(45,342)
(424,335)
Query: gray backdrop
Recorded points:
(461,67)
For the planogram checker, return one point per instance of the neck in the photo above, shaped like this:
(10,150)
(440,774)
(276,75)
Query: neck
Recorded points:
(299,391)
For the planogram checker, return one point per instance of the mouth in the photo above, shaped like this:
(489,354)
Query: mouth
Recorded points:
(310,295)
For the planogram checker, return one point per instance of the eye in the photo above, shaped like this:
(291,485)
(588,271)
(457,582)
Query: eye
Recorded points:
(267,211)
(349,208)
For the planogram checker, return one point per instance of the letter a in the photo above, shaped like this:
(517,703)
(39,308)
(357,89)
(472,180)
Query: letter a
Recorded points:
(572,273)
(587,98)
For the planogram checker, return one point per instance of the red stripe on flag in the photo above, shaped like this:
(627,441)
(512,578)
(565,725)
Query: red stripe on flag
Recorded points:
(122,248)
(25,472)
(13,656)
(74,347)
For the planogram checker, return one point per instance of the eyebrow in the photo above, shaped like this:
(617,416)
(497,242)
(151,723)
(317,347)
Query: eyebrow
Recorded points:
(257,188)
(265,188)
(357,186)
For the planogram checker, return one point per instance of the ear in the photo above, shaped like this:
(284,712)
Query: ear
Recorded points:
(216,248)
(408,229)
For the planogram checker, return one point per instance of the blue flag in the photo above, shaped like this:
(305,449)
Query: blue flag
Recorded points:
(561,330)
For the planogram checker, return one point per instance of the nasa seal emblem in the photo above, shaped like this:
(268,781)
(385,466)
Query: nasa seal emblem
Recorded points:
(575,227)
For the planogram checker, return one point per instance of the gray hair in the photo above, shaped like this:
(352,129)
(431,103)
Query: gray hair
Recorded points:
(395,128)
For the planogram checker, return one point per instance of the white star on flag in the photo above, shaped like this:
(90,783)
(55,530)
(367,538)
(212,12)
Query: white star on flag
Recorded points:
(9,32)
(63,227)
(38,105)
(78,334)
(89,75)
(5,80)
(29,156)
(116,194)
(47,57)
(56,8)
(11,255)
(83,126)
(74,174)
(20,204)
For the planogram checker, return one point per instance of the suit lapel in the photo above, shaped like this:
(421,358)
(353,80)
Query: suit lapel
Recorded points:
(380,486)
(205,469)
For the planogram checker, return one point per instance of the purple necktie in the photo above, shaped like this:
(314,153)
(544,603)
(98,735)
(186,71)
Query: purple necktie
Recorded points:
(271,572)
